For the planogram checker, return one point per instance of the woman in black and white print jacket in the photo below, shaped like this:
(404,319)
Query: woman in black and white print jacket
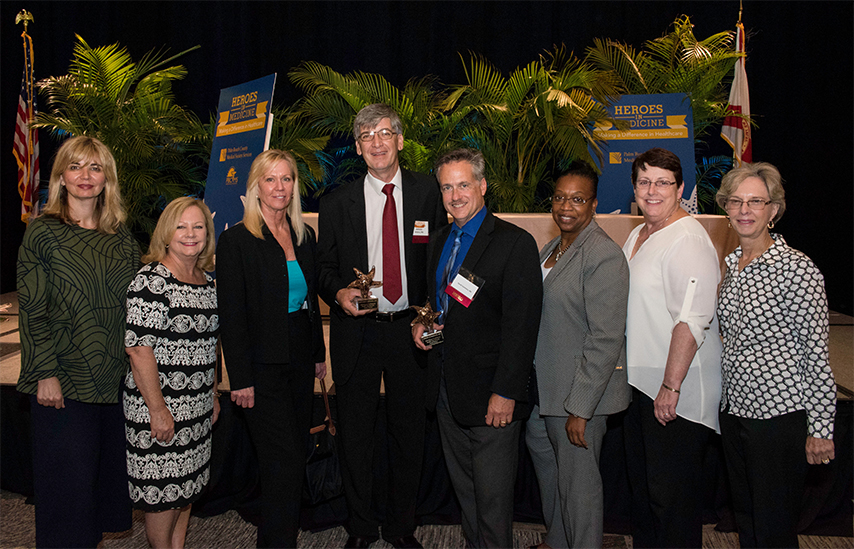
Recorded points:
(778,388)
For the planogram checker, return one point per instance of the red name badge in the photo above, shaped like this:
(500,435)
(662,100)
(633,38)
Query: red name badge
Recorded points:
(421,232)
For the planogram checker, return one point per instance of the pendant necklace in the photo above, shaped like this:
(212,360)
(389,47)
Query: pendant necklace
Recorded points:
(561,252)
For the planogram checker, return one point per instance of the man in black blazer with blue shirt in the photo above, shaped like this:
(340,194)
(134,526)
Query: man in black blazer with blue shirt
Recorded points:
(367,346)
(489,290)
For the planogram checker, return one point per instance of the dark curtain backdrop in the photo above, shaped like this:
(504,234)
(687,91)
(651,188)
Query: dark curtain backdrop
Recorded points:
(799,67)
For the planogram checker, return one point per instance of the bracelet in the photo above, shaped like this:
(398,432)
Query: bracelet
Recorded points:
(670,388)
(217,394)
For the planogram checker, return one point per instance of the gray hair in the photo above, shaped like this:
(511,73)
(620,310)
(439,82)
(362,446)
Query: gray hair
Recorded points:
(371,115)
(769,175)
(472,156)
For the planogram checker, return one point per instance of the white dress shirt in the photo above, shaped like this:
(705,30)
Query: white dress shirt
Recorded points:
(374,204)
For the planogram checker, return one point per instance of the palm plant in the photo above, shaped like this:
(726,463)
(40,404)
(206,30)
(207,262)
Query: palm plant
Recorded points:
(709,173)
(131,108)
(525,124)
(675,63)
(293,132)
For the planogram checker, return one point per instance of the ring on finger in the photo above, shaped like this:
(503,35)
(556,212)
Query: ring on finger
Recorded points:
(825,461)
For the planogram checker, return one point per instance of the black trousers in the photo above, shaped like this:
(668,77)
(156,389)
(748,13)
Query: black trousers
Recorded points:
(665,465)
(386,354)
(767,466)
(278,425)
(482,463)
(79,473)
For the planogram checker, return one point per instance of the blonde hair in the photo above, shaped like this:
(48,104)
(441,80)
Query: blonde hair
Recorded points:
(167,225)
(252,218)
(766,172)
(109,210)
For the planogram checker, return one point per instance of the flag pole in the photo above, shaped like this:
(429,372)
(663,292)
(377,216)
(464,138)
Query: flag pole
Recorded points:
(736,126)
(26,148)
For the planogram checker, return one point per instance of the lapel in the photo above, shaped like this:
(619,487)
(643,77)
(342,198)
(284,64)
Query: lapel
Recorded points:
(478,246)
(567,258)
(437,246)
(302,252)
(480,242)
(355,214)
(411,201)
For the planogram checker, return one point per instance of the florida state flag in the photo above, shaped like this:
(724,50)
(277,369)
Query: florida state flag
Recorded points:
(736,130)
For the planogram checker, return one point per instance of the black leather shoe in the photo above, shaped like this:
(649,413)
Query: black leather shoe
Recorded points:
(406,542)
(356,542)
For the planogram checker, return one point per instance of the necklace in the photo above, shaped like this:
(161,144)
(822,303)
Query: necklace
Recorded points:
(561,252)
(663,223)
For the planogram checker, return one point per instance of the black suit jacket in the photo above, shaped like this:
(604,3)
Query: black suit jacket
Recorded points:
(343,245)
(489,346)
(252,295)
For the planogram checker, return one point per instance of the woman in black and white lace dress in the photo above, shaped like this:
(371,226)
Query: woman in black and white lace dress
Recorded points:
(169,401)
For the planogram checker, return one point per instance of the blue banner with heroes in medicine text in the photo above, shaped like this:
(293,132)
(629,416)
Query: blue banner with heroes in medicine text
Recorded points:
(244,122)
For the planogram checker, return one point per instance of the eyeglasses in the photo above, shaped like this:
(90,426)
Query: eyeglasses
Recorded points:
(756,204)
(385,135)
(572,200)
(659,183)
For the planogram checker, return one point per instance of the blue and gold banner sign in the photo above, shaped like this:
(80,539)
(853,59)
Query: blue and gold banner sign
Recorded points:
(660,120)
(243,128)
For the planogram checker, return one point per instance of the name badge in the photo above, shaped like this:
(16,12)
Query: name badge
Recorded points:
(421,232)
(464,287)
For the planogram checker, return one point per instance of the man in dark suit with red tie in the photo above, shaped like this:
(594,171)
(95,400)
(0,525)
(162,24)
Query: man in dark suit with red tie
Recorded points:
(484,277)
(383,220)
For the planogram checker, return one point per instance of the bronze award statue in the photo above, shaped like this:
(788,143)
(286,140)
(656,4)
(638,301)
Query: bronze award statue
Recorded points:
(364,283)
(426,317)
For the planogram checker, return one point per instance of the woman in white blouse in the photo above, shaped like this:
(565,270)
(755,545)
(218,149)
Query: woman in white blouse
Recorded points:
(673,357)
(778,388)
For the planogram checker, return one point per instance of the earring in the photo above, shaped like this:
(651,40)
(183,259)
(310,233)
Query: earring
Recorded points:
(771,224)
(728,222)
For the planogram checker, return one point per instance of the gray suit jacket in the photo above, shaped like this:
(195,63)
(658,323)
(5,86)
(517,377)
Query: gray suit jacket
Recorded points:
(581,347)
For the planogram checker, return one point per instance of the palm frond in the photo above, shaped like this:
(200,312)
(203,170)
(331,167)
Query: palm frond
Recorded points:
(130,107)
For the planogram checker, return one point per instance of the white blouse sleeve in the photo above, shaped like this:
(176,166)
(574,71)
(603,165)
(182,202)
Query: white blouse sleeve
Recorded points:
(691,273)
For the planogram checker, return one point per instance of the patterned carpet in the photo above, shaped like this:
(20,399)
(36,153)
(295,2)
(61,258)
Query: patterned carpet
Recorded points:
(230,531)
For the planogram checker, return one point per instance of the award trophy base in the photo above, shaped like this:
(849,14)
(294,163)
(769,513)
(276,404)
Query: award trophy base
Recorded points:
(365,303)
(432,338)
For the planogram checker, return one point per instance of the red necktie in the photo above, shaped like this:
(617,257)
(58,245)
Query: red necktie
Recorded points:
(391,249)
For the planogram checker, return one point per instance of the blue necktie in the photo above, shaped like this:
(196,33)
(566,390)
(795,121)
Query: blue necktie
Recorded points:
(448,275)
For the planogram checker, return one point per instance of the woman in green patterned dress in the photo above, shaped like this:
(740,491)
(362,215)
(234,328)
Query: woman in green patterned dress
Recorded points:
(74,267)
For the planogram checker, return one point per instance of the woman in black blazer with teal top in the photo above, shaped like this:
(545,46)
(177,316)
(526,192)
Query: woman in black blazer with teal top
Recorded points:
(272,335)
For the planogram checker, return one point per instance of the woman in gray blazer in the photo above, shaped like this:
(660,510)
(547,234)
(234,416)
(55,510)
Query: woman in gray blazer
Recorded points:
(580,362)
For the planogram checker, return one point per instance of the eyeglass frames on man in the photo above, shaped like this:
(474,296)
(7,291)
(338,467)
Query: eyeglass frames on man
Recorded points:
(385,134)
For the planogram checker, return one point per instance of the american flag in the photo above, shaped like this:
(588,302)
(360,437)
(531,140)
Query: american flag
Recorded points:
(736,130)
(26,149)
